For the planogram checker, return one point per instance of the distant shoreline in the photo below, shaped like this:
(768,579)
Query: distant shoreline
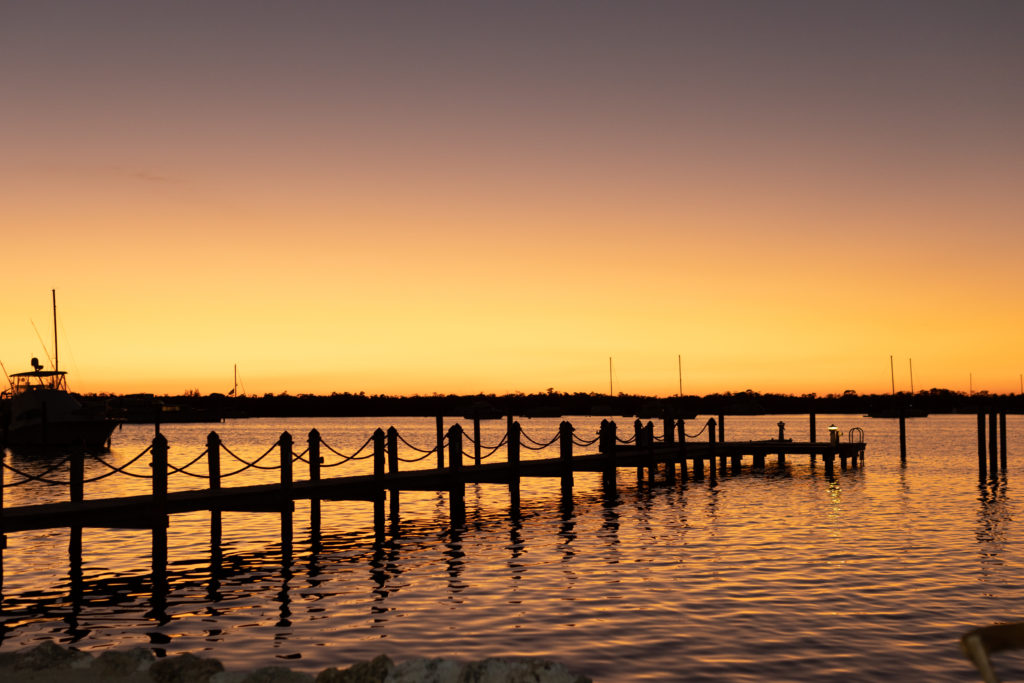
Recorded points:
(145,408)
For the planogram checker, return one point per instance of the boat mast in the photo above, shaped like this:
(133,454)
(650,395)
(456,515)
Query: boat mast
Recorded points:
(56,358)
(911,377)
(611,390)
(234,392)
(680,358)
(892,376)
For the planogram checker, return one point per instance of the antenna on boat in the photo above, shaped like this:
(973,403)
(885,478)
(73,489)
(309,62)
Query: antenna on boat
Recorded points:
(6,375)
(56,358)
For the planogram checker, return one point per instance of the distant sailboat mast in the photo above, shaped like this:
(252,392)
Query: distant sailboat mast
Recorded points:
(892,376)
(680,358)
(611,389)
(911,376)
(56,357)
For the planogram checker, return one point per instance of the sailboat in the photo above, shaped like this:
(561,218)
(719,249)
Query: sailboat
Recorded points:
(907,411)
(43,414)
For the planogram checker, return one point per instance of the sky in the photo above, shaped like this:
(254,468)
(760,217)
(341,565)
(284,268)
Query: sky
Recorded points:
(462,197)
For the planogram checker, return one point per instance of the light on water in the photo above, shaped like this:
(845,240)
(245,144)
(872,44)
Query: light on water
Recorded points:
(775,575)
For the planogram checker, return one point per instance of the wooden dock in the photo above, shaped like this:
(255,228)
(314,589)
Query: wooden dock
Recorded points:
(668,458)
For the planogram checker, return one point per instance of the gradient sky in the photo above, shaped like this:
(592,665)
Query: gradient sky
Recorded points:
(410,197)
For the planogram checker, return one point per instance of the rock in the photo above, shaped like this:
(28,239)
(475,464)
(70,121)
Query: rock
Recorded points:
(498,670)
(45,655)
(123,662)
(374,671)
(422,670)
(184,668)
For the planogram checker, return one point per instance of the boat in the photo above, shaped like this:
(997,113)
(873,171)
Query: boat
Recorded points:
(42,413)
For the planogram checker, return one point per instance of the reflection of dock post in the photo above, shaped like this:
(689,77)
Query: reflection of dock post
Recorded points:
(379,456)
(3,536)
(393,469)
(721,440)
(829,458)
(981,444)
(565,431)
(711,450)
(456,487)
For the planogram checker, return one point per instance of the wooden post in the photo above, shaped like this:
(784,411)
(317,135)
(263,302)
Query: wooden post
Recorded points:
(652,464)
(670,433)
(213,459)
(454,447)
(393,469)
(477,459)
(608,440)
(903,437)
(565,431)
(759,460)
(286,462)
(314,455)
(379,455)
(681,426)
(77,473)
(638,442)
(981,444)
(1002,441)
(440,442)
(159,465)
(711,449)
(514,438)
(721,428)
(814,434)
(782,437)
(993,444)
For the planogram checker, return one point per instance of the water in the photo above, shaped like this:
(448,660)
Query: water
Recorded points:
(782,575)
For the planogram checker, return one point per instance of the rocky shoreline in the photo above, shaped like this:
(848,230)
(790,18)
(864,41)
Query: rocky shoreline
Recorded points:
(49,662)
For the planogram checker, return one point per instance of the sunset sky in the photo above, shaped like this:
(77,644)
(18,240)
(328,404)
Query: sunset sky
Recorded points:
(418,197)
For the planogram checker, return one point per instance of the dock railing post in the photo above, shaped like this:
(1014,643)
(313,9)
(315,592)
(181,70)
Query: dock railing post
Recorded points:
(670,433)
(77,473)
(565,431)
(393,469)
(903,437)
(213,459)
(814,434)
(638,441)
(454,447)
(981,444)
(782,437)
(314,455)
(477,459)
(711,449)
(159,465)
(439,422)
(681,426)
(514,439)
(286,462)
(379,455)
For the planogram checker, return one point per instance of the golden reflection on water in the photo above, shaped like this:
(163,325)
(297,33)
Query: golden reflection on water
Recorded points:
(870,574)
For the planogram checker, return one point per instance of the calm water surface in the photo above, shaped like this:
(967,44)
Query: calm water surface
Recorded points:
(779,575)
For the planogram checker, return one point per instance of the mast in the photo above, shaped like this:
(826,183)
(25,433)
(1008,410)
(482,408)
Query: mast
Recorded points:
(234,392)
(56,358)
(911,377)
(680,358)
(892,376)
(611,390)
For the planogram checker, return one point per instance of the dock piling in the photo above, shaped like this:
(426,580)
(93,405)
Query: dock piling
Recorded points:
(993,444)
(286,461)
(213,459)
(981,444)
(903,438)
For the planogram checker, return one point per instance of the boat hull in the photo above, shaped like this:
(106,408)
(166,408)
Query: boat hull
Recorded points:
(92,435)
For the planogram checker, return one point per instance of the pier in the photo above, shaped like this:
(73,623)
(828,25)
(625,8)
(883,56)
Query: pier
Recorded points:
(671,456)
